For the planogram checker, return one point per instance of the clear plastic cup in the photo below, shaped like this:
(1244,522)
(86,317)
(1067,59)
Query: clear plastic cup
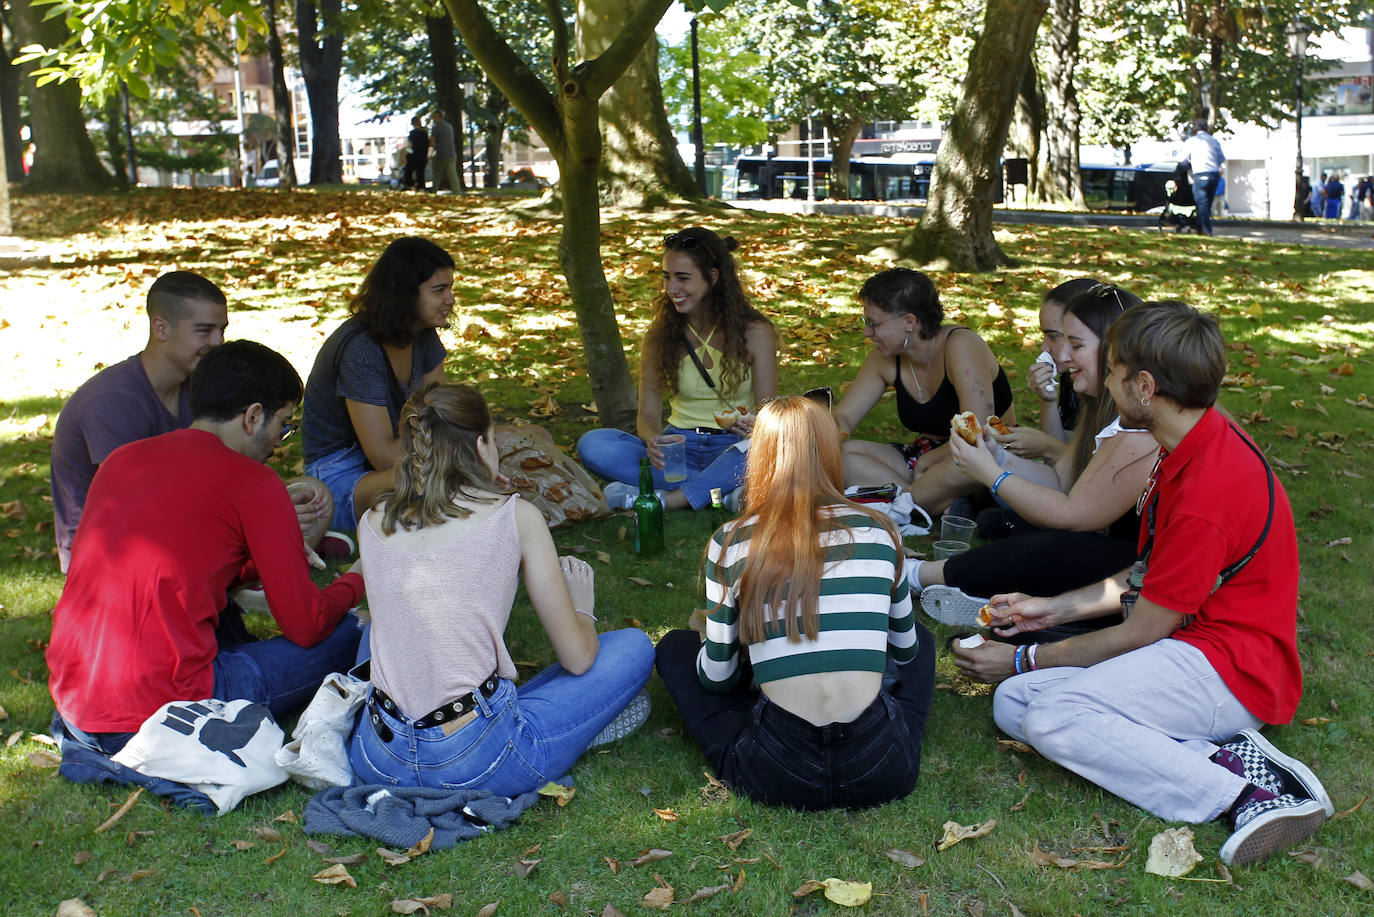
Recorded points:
(674,446)
(957,528)
(943,550)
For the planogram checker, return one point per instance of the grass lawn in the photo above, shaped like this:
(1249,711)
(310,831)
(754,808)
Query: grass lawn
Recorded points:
(1299,326)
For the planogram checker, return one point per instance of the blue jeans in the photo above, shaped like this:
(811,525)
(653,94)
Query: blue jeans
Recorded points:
(281,675)
(1204,189)
(521,738)
(340,472)
(777,758)
(615,455)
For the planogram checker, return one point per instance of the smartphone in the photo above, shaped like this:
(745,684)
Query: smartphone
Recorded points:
(879,493)
(823,394)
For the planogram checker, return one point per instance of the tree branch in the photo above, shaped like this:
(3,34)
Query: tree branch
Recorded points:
(507,70)
(599,74)
(559,23)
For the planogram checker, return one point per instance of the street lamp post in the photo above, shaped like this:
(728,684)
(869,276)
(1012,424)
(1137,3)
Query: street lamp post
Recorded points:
(698,140)
(1297,44)
(469,94)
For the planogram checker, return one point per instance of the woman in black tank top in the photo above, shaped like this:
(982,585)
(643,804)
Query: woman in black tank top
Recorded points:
(938,370)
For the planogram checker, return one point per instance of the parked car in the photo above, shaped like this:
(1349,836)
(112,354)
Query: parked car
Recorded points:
(269,176)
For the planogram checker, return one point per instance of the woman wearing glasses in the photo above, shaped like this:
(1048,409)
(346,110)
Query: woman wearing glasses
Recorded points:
(808,601)
(388,348)
(937,370)
(1083,505)
(708,351)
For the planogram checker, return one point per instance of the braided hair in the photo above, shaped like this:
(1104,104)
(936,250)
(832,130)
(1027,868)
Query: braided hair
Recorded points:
(439,461)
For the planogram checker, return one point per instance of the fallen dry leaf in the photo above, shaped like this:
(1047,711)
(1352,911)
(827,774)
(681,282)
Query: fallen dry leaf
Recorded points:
(289,817)
(1359,880)
(666,814)
(133,837)
(640,581)
(660,898)
(44,758)
(604,557)
(319,847)
(1350,811)
(335,875)
(1016,746)
(709,891)
(14,738)
(905,857)
(274,857)
(75,907)
(558,792)
(421,846)
(734,840)
(123,810)
(739,882)
(649,856)
(611,910)
(244,845)
(271,835)
(411,905)
(4,714)
(391,857)
(1041,858)
(82,857)
(139,874)
(524,867)
(353,859)
(848,893)
(558,899)
(955,832)
(1336,542)
(1022,804)
(488,909)
(1172,853)
(1316,721)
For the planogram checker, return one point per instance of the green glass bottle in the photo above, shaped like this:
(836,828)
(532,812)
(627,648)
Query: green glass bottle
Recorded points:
(718,515)
(648,510)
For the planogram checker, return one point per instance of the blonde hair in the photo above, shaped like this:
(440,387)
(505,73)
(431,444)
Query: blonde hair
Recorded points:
(439,462)
(794,479)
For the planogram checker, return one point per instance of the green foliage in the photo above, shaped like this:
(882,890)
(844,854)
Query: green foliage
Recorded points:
(1294,317)
(127,42)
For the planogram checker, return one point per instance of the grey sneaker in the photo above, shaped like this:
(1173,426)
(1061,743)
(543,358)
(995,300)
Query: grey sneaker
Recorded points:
(620,495)
(1268,826)
(1271,769)
(950,606)
(626,722)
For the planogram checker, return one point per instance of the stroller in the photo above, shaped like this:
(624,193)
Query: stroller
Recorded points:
(1180,210)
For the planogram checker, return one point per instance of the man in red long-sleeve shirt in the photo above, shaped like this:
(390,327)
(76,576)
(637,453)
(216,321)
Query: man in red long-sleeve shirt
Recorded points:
(170,524)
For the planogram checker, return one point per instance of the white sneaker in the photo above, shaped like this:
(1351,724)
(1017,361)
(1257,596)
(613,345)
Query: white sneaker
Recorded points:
(626,722)
(619,494)
(950,606)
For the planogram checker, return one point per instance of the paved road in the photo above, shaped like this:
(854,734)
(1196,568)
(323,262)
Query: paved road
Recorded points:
(1331,235)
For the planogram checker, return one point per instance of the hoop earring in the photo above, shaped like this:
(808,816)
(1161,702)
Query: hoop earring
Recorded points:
(1144,402)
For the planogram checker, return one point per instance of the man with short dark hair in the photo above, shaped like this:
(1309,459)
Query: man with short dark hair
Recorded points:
(146,395)
(173,522)
(1163,709)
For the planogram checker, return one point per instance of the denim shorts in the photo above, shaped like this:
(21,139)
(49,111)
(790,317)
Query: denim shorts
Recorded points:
(340,472)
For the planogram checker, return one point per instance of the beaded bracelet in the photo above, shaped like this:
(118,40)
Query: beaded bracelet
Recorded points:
(998,483)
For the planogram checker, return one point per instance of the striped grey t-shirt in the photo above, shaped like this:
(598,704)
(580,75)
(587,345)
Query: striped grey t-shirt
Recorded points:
(863,616)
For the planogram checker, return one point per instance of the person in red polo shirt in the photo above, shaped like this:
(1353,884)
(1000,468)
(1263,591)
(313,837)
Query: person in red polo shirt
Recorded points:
(171,523)
(1164,708)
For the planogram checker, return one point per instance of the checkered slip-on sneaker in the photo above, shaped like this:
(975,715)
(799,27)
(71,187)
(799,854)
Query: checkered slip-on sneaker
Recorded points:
(1271,769)
(626,722)
(950,606)
(1265,827)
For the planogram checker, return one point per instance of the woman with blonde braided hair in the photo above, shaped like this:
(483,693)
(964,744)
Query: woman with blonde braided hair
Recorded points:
(443,552)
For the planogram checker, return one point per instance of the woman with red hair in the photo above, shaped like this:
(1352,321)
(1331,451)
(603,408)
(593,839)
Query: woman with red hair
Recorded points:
(812,687)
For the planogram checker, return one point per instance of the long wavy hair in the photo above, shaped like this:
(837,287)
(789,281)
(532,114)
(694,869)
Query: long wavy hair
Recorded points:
(793,483)
(1097,307)
(439,461)
(729,304)
(386,301)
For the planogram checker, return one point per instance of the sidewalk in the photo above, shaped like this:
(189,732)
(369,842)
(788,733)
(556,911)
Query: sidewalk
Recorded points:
(1312,232)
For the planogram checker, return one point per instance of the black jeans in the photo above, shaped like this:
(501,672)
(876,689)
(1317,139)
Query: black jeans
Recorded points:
(774,757)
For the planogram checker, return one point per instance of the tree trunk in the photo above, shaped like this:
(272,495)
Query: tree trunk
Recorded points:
(281,102)
(640,164)
(6,226)
(448,87)
(64,158)
(321,57)
(495,134)
(1061,105)
(9,111)
(1027,129)
(957,225)
(565,116)
(113,129)
(844,130)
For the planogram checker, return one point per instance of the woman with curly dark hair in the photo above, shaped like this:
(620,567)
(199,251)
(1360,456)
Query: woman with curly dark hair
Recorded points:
(715,357)
(387,349)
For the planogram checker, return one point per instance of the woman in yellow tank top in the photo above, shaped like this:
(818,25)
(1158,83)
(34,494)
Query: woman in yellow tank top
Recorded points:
(709,352)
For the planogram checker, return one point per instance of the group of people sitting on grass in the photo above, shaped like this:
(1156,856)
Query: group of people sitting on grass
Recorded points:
(1138,580)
